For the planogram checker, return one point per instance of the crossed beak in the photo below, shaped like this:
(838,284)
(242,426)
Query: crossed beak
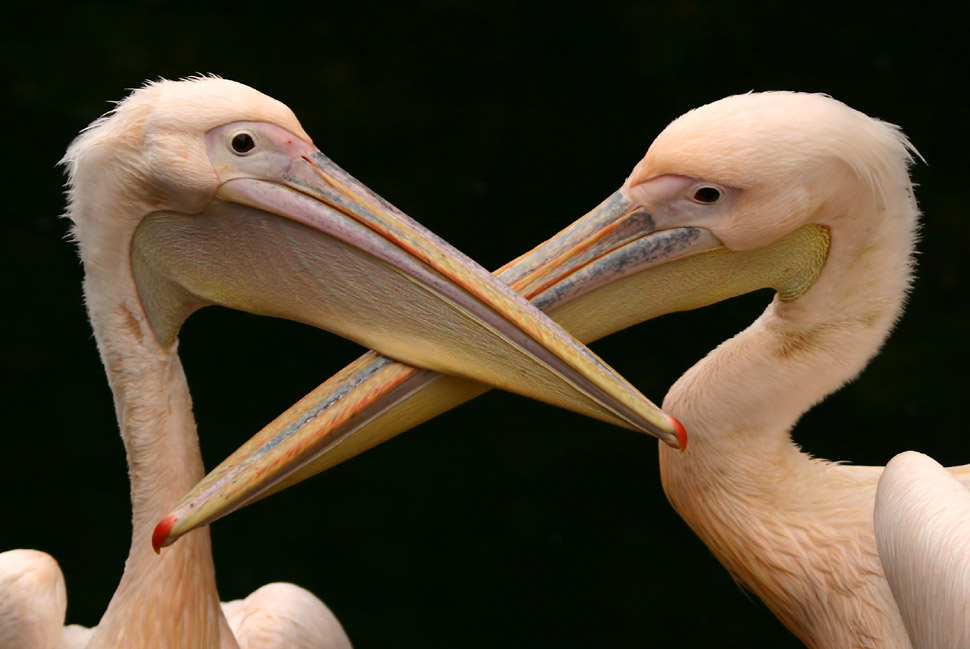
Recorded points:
(609,270)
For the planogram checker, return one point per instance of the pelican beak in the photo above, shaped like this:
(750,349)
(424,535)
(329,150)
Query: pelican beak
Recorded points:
(295,236)
(607,271)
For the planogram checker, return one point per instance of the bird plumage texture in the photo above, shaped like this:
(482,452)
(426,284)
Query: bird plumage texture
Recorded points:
(922,521)
(33,600)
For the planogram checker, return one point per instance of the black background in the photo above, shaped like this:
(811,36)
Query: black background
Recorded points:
(504,522)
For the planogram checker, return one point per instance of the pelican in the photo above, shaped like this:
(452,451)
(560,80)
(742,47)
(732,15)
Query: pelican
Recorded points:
(922,523)
(791,191)
(205,191)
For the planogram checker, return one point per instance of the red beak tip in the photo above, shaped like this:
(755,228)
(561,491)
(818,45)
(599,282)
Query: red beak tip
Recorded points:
(681,433)
(161,532)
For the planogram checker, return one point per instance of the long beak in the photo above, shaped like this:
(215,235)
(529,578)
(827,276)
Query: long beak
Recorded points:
(316,246)
(607,271)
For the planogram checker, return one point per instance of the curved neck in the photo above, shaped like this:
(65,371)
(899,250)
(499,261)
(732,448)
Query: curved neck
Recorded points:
(168,600)
(761,505)
(796,353)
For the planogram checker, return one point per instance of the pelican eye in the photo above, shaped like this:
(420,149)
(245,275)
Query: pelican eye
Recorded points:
(706,195)
(242,143)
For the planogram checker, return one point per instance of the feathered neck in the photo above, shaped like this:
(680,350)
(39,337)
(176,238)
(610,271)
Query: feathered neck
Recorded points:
(796,353)
(798,531)
(168,600)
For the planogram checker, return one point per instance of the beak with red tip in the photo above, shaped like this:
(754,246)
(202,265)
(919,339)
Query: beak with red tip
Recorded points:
(611,269)
(290,234)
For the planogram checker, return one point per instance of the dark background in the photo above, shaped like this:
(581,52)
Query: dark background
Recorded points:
(505,522)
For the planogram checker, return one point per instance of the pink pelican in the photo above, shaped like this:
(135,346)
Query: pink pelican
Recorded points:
(206,191)
(796,192)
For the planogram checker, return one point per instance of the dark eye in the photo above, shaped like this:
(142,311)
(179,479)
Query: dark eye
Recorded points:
(707,195)
(243,143)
